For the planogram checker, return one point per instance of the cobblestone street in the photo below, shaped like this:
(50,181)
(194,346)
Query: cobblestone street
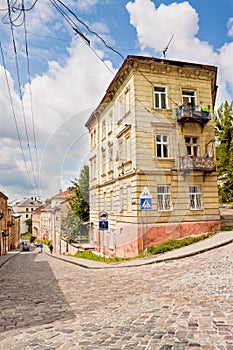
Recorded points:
(47,303)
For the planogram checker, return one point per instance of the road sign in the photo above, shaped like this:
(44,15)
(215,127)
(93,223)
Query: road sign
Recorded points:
(103,215)
(145,203)
(145,199)
(145,193)
(103,225)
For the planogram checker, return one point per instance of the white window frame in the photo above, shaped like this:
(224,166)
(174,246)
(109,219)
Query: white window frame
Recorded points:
(110,157)
(103,129)
(110,121)
(164,145)
(164,198)
(129,198)
(111,194)
(121,199)
(127,101)
(103,160)
(195,197)
(120,108)
(160,97)
(190,96)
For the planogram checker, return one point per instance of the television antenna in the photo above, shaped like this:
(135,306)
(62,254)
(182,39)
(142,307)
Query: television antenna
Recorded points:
(166,48)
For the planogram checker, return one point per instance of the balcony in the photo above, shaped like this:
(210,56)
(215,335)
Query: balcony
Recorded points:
(188,163)
(187,113)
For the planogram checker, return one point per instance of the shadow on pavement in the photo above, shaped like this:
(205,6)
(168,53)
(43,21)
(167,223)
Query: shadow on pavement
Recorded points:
(30,294)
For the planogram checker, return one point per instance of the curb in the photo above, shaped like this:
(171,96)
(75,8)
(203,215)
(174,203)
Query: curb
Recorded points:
(154,260)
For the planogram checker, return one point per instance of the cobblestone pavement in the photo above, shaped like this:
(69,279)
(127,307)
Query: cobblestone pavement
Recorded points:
(46,303)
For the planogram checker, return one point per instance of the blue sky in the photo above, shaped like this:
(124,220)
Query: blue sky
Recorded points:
(69,78)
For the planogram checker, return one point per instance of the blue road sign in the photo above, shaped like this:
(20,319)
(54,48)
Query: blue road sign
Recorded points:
(103,225)
(145,203)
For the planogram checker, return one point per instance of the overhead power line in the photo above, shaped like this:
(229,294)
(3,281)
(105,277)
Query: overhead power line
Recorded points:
(20,88)
(14,115)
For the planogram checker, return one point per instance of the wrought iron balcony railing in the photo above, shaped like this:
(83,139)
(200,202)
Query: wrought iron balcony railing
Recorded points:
(206,164)
(187,113)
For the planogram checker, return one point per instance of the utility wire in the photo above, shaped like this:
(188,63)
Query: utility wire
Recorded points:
(90,30)
(30,97)
(14,115)
(70,21)
(19,85)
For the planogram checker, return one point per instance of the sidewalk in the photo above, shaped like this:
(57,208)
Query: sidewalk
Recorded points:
(218,240)
(4,258)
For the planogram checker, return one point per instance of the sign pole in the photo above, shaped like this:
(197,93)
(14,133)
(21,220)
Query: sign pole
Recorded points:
(146,204)
(146,234)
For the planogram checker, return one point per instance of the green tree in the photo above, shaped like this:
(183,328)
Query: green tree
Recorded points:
(224,150)
(80,201)
(29,225)
(70,227)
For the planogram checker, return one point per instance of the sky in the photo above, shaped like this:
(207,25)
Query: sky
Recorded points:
(52,78)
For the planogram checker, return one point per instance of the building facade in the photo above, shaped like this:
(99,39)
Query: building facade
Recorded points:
(25,208)
(4,234)
(153,131)
(47,220)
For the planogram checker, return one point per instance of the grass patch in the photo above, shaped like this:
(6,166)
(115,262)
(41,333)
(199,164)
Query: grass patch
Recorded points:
(226,228)
(177,243)
(87,254)
(161,248)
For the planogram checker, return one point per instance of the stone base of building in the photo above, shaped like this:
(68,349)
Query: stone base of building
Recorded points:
(132,239)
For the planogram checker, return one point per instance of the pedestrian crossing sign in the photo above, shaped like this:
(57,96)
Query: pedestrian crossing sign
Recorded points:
(145,203)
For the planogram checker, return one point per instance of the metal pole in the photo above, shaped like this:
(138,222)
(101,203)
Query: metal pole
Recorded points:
(146,235)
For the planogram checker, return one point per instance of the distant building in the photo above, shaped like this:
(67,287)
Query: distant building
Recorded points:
(25,208)
(47,220)
(36,223)
(153,128)
(4,234)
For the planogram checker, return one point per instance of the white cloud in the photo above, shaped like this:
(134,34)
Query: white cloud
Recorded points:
(230,26)
(86,5)
(63,100)
(157,25)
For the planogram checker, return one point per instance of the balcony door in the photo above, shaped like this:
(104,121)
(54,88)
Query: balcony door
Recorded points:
(191,145)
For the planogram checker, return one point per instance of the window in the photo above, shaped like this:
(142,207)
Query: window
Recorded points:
(110,122)
(164,198)
(103,160)
(121,199)
(93,138)
(160,97)
(129,198)
(103,129)
(191,144)
(188,96)
(119,109)
(195,196)
(110,156)
(127,105)
(111,202)
(162,146)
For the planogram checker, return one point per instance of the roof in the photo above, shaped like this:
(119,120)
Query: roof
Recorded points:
(26,202)
(38,210)
(67,193)
(129,63)
(3,195)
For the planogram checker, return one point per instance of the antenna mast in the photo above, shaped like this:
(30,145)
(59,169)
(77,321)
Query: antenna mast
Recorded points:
(166,48)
